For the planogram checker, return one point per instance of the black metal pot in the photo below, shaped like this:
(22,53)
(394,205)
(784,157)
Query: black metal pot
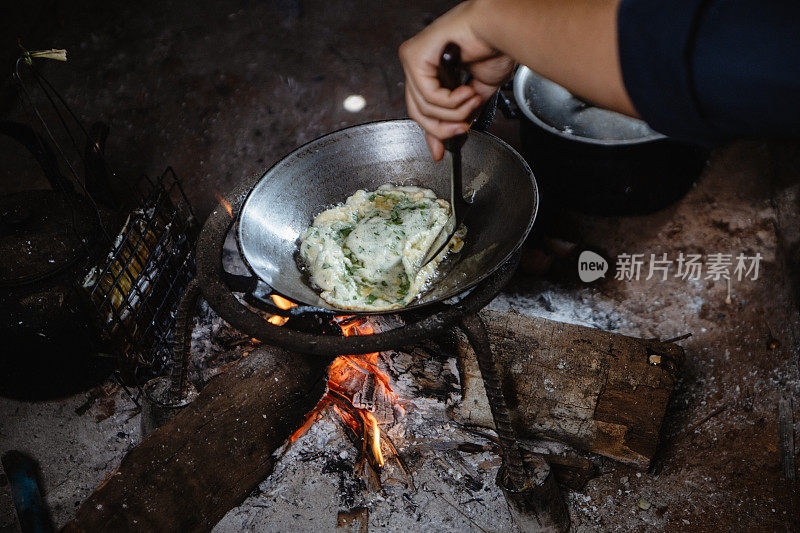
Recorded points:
(597,161)
(49,344)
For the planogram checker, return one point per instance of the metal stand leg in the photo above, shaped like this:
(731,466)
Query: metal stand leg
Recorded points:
(529,485)
(165,396)
(183,340)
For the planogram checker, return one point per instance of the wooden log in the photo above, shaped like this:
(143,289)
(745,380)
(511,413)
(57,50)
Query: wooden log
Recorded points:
(539,507)
(187,474)
(570,472)
(596,391)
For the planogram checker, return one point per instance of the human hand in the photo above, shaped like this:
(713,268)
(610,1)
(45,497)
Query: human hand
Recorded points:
(440,112)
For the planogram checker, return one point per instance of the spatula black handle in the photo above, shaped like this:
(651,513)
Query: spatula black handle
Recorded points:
(449,73)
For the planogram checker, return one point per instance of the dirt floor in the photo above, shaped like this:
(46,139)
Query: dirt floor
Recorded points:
(221,90)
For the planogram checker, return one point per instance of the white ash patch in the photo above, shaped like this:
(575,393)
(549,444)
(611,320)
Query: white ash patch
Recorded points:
(214,344)
(584,307)
(75,451)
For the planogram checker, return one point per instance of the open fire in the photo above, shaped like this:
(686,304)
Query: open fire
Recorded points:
(281,303)
(359,392)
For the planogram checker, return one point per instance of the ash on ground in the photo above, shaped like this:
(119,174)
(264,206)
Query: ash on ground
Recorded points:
(437,487)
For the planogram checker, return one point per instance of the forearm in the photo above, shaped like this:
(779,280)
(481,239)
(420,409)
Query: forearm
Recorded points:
(572,42)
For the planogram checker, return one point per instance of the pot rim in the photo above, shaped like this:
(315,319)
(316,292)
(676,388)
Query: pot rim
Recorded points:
(519,98)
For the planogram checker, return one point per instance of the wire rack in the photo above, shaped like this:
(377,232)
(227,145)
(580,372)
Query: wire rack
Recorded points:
(134,290)
(144,257)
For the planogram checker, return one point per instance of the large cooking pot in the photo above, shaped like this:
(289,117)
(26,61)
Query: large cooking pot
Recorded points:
(597,161)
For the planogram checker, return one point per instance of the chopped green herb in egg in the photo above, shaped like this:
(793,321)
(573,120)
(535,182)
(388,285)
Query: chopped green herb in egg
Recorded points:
(374,240)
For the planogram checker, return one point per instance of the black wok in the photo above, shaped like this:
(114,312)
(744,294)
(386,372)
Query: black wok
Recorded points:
(324,172)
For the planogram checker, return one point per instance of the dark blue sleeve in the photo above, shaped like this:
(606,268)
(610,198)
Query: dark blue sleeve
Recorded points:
(710,70)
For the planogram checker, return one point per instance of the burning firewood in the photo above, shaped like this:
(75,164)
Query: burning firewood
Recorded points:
(360,393)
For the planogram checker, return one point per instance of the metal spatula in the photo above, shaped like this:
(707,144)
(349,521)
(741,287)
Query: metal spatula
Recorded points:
(449,74)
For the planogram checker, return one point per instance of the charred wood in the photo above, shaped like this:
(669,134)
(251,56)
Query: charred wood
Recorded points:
(188,473)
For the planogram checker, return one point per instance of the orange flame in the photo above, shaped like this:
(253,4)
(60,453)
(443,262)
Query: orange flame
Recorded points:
(221,199)
(277,320)
(347,372)
(282,303)
(373,432)
(310,419)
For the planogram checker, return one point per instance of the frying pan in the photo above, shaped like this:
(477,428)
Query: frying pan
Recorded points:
(324,172)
